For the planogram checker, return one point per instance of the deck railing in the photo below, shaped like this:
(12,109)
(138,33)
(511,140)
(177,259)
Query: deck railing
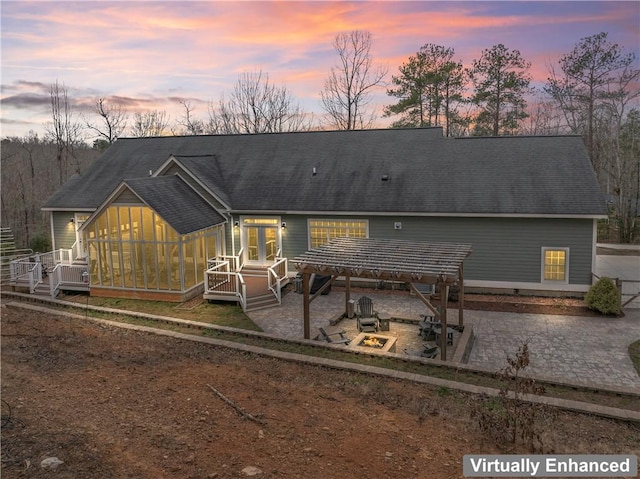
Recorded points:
(68,275)
(275,274)
(26,271)
(221,280)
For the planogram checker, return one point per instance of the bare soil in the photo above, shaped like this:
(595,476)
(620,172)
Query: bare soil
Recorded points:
(114,403)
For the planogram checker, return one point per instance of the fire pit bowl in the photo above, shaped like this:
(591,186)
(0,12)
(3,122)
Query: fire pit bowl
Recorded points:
(374,342)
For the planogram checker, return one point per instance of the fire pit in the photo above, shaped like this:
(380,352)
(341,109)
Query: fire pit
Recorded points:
(374,342)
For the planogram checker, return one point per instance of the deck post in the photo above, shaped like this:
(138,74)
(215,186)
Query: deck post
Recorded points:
(305,293)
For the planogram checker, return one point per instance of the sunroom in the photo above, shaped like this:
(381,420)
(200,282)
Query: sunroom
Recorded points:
(151,239)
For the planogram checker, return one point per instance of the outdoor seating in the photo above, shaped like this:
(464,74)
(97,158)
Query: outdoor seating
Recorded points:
(331,339)
(367,316)
(427,327)
(438,332)
(430,352)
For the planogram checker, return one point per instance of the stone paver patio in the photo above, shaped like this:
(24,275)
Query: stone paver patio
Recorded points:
(590,351)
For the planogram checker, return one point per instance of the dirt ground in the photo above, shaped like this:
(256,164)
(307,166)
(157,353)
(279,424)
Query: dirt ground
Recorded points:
(113,403)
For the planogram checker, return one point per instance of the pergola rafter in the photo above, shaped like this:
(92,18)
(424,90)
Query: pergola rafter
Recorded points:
(394,260)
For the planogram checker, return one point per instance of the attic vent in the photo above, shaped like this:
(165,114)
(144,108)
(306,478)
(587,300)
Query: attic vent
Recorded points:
(385,177)
(150,172)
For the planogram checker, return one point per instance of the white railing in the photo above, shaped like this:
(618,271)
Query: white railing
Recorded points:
(242,287)
(275,274)
(28,271)
(219,279)
(71,275)
(235,261)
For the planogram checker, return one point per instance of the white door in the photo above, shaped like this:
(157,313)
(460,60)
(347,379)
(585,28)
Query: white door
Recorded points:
(261,240)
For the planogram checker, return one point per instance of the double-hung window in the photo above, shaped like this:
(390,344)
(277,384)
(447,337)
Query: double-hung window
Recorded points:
(555,265)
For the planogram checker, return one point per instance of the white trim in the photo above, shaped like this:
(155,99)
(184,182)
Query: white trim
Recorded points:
(550,286)
(243,235)
(418,213)
(172,159)
(544,249)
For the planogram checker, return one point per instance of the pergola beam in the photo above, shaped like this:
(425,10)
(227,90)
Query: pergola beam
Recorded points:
(395,260)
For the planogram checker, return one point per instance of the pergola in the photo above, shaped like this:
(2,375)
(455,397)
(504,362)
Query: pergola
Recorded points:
(440,264)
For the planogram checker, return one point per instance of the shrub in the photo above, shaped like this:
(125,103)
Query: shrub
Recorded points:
(40,243)
(604,297)
(508,417)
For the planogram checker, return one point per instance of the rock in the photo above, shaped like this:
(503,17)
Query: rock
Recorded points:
(50,463)
(251,471)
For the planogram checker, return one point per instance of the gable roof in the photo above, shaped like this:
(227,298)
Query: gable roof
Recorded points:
(425,173)
(175,201)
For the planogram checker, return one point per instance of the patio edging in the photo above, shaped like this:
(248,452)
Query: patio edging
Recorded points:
(577,406)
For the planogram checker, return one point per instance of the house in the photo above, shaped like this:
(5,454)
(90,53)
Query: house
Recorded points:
(174,217)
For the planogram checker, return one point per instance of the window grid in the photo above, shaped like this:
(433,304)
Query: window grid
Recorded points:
(555,264)
(321,231)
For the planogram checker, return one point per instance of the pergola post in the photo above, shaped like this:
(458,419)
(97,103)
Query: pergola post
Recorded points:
(443,320)
(306,287)
(347,294)
(461,295)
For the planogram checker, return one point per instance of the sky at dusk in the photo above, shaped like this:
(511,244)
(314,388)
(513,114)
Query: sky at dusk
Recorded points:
(152,55)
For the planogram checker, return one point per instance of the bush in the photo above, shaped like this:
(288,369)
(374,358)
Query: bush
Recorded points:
(604,297)
(40,243)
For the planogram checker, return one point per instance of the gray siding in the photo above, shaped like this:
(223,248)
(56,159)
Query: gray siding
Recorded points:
(64,232)
(504,249)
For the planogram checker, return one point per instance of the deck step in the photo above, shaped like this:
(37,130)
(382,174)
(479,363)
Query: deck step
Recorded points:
(260,302)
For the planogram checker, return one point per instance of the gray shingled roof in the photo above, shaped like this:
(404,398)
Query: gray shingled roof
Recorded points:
(425,172)
(176,202)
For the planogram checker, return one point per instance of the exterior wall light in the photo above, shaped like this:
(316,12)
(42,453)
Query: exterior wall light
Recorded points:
(284,224)
(72,220)
(236,224)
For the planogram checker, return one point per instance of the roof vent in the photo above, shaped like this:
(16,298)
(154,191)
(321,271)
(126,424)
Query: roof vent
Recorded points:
(313,171)
(385,177)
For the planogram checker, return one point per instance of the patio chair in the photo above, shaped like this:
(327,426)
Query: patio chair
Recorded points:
(430,352)
(328,337)
(367,316)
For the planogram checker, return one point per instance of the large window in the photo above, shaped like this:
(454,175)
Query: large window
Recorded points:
(555,265)
(321,231)
(132,247)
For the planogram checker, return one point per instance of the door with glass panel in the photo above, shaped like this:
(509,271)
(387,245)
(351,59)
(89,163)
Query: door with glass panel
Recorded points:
(261,240)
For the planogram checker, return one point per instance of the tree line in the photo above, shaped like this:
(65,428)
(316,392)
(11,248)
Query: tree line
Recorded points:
(592,91)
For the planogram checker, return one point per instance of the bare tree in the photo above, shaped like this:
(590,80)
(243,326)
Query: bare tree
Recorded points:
(347,89)
(150,123)
(257,106)
(113,120)
(64,130)
(191,126)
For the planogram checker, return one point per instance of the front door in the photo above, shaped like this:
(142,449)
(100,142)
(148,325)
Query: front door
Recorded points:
(261,240)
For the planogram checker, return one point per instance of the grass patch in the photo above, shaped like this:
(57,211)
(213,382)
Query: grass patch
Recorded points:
(218,314)
(206,313)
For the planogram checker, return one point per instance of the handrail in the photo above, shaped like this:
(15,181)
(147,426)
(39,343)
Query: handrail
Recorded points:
(275,273)
(68,275)
(30,271)
(221,280)
(242,291)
